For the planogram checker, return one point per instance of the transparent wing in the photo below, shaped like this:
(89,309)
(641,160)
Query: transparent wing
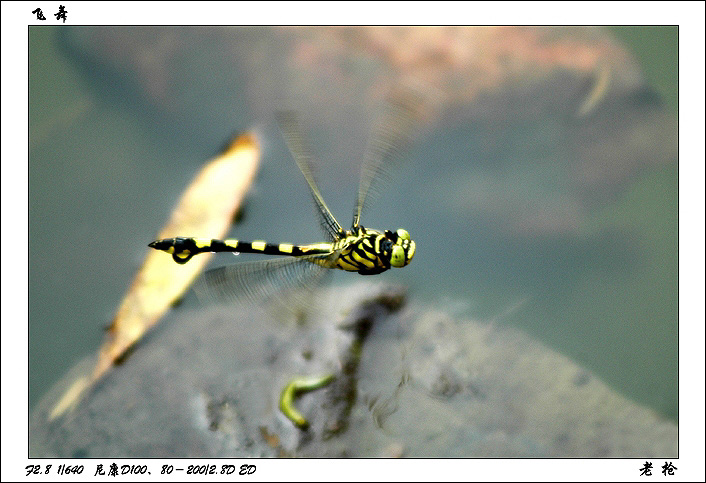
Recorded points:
(287,280)
(289,125)
(393,132)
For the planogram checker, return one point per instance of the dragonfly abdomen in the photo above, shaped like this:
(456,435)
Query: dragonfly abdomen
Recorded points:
(183,248)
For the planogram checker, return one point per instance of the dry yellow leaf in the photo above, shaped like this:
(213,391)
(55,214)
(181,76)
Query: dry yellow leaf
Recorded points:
(206,209)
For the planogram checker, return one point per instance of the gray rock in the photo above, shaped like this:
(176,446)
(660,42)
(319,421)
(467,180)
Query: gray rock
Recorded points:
(409,382)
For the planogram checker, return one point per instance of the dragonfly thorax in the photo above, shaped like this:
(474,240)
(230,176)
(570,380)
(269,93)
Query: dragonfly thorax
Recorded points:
(369,252)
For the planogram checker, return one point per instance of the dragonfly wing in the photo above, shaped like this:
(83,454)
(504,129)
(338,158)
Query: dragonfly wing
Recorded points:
(393,131)
(287,280)
(289,125)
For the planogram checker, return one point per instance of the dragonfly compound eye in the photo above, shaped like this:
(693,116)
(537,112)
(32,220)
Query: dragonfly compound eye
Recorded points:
(410,251)
(398,257)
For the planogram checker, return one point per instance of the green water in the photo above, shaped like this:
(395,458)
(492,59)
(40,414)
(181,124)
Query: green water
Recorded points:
(104,177)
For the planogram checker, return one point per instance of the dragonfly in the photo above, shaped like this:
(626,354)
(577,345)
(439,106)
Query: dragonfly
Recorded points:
(360,249)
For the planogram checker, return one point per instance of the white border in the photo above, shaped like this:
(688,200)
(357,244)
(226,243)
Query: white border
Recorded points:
(688,15)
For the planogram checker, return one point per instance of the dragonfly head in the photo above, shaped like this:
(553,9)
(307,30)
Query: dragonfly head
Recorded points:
(403,247)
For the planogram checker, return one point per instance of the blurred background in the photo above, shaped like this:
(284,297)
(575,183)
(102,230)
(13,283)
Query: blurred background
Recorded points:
(541,188)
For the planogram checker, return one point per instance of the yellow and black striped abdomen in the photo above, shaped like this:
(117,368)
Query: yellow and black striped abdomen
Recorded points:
(182,248)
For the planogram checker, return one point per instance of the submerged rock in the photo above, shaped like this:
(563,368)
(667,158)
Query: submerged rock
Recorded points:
(408,382)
